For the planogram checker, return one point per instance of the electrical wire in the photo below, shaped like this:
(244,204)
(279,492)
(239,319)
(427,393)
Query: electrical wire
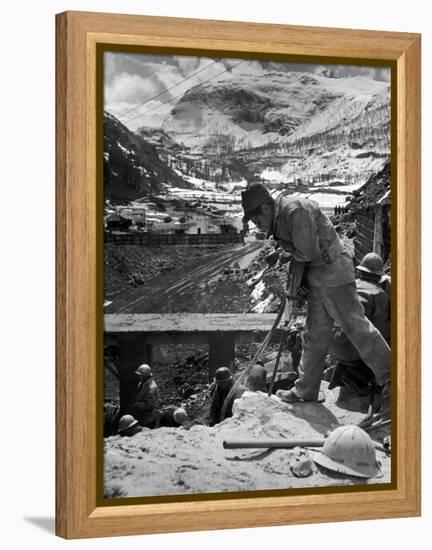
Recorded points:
(167,90)
(182,94)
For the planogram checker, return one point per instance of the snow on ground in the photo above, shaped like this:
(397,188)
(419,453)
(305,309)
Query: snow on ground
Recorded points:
(127,152)
(272,175)
(348,188)
(326,200)
(197,182)
(253,280)
(347,163)
(263,305)
(258,292)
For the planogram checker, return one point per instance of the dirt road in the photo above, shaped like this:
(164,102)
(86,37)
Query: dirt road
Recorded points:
(172,286)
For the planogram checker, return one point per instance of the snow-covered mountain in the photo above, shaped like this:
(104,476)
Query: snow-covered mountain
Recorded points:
(306,127)
(277,107)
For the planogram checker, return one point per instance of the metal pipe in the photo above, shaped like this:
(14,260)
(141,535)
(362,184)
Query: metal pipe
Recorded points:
(272,443)
(285,444)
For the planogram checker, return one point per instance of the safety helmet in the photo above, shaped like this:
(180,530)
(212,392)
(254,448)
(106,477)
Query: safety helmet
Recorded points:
(180,416)
(257,378)
(372,263)
(349,450)
(144,370)
(126,421)
(223,374)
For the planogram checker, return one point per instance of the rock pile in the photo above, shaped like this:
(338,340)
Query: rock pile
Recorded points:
(171,461)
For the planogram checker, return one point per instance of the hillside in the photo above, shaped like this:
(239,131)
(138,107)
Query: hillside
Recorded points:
(376,188)
(132,166)
(303,125)
(259,109)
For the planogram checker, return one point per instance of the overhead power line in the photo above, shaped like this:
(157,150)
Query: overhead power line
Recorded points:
(180,95)
(168,89)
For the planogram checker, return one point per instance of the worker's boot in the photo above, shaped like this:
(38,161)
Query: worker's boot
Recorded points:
(383,415)
(289,396)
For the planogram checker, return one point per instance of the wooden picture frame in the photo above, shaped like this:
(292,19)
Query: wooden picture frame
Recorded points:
(78,293)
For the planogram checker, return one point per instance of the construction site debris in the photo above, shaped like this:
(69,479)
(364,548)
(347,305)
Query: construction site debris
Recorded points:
(170,461)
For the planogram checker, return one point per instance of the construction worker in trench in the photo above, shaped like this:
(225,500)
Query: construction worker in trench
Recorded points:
(128,426)
(302,229)
(145,409)
(350,368)
(172,417)
(223,382)
(257,379)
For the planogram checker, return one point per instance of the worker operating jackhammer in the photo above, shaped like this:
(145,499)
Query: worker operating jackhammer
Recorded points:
(301,228)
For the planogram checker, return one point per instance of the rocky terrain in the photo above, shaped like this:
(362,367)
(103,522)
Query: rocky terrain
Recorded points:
(171,461)
(130,266)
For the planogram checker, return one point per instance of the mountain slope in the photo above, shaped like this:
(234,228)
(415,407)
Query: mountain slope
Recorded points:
(132,166)
(272,107)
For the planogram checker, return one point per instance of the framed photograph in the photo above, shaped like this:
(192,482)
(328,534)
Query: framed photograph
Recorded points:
(238,275)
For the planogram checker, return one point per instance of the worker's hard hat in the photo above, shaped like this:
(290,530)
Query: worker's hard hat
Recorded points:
(144,370)
(223,374)
(349,450)
(258,372)
(127,421)
(372,263)
(180,416)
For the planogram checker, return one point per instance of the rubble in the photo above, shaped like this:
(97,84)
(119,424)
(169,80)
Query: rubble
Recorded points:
(171,461)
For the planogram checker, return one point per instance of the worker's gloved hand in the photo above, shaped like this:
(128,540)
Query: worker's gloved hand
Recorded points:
(302,293)
(272,258)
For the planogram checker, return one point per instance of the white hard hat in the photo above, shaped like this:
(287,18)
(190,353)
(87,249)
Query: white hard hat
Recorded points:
(349,450)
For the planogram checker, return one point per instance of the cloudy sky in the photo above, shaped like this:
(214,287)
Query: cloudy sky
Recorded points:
(141,89)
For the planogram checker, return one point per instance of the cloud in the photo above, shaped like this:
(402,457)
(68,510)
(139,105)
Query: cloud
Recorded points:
(188,64)
(131,88)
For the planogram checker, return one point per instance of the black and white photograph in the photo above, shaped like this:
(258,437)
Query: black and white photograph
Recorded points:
(247,243)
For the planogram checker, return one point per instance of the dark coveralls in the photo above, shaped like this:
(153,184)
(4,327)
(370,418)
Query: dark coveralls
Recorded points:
(218,400)
(166,419)
(145,408)
(375,304)
(302,229)
(350,369)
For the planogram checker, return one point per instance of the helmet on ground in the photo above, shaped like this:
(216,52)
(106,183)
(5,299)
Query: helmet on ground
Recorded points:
(372,263)
(223,374)
(349,450)
(180,416)
(144,370)
(126,421)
